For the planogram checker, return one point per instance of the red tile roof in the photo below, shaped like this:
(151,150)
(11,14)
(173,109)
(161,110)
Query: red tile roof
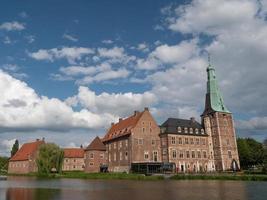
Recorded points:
(123,127)
(27,149)
(73,153)
(96,144)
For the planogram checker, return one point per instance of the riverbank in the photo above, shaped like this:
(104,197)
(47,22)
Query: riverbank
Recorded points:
(125,176)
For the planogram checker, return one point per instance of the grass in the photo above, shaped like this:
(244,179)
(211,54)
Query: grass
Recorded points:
(237,177)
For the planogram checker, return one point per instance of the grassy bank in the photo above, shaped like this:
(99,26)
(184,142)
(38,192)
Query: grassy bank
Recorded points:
(238,177)
(100,176)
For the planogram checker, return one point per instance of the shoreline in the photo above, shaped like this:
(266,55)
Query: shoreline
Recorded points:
(142,177)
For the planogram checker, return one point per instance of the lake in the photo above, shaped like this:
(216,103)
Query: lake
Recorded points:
(28,188)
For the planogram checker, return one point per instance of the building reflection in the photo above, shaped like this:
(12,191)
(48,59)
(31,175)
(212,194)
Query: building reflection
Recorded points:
(31,194)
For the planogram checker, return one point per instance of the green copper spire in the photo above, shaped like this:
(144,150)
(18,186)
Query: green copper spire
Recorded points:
(214,100)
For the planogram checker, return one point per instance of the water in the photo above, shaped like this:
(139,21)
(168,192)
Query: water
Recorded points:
(25,188)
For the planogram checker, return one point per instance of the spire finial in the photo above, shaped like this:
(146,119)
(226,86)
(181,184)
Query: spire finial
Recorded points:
(209,59)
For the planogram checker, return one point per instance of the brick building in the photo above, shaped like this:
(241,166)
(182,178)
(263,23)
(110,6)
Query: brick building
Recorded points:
(24,161)
(185,143)
(219,125)
(133,140)
(73,159)
(95,156)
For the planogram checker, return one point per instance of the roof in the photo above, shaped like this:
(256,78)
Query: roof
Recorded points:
(27,150)
(171,126)
(214,99)
(123,127)
(96,144)
(73,153)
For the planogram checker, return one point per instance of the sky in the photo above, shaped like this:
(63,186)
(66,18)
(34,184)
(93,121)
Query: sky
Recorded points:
(70,68)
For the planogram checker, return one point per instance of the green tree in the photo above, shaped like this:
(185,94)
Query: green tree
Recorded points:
(264,168)
(3,164)
(15,148)
(50,157)
(250,152)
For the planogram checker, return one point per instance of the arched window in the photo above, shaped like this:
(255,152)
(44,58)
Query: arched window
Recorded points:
(179,129)
(191,131)
(196,131)
(185,130)
(202,131)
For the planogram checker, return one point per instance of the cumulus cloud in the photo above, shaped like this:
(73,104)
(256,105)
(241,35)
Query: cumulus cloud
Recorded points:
(70,37)
(121,104)
(12,26)
(70,53)
(107,41)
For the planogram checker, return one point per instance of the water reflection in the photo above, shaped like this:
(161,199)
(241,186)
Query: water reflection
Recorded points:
(73,189)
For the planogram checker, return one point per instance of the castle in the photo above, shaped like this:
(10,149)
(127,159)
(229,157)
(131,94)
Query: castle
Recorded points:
(139,144)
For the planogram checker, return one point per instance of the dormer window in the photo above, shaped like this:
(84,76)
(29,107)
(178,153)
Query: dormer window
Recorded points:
(179,129)
(163,129)
(202,131)
(196,131)
(185,130)
(191,131)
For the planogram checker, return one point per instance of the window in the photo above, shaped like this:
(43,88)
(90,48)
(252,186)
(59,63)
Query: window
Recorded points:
(173,140)
(140,141)
(180,141)
(186,140)
(114,156)
(179,129)
(181,154)
(91,155)
(198,154)
(191,131)
(120,155)
(115,145)
(193,154)
(126,143)
(153,142)
(144,130)
(91,164)
(150,130)
(202,131)
(204,154)
(191,140)
(162,129)
(197,141)
(74,160)
(146,156)
(214,141)
(229,154)
(120,144)
(164,151)
(196,131)
(109,158)
(102,155)
(204,141)
(174,154)
(187,154)
(185,130)
(66,160)
(155,156)
(214,131)
(74,166)
(227,142)
(126,155)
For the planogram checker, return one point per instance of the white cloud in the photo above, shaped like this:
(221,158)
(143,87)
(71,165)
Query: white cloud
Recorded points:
(115,52)
(6,146)
(255,123)
(104,76)
(7,40)
(121,104)
(12,26)
(70,37)
(30,38)
(143,47)
(107,41)
(70,53)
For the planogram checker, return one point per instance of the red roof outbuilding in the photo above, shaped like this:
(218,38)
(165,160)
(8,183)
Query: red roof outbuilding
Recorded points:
(73,153)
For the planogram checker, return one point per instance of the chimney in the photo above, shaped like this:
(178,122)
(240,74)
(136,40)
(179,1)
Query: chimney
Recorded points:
(37,140)
(81,146)
(193,119)
(120,119)
(43,139)
(136,112)
(146,109)
(112,123)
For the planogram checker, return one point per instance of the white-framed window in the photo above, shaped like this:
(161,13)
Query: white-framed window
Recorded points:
(181,155)
(174,154)
(115,145)
(191,130)
(193,154)
(120,155)
(202,131)
(198,154)
(146,155)
(187,154)
(204,154)
(91,164)
(180,141)
(173,140)
(126,143)
(91,155)
(120,144)
(197,141)
(185,130)
(153,141)
(191,140)
(179,129)
(196,130)
(140,141)
(186,141)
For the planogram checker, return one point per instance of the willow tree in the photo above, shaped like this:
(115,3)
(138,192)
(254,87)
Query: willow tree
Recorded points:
(50,158)
(15,148)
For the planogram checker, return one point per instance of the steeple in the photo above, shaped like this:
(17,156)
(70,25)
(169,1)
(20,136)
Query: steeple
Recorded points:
(214,101)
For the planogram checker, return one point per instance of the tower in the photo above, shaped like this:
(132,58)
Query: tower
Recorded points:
(219,125)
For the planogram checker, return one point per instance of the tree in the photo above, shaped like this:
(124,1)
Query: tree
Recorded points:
(250,152)
(15,148)
(3,164)
(264,168)
(50,157)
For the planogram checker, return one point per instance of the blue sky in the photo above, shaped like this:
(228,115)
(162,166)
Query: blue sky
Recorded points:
(70,68)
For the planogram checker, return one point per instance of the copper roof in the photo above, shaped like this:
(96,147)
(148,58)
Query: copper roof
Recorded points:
(96,144)
(73,153)
(27,150)
(123,127)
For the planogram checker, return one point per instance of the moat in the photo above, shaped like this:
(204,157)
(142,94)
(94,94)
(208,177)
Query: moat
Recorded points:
(28,188)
